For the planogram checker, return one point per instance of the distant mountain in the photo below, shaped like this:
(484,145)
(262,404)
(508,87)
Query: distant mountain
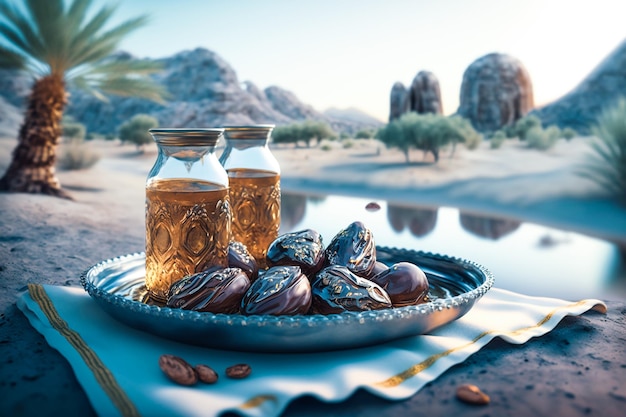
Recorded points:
(354,115)
(204,91)
(581,107)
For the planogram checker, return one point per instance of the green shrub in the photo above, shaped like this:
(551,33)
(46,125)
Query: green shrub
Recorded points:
(569,133)
(76,154)
(364,134)
(521,128)
(326,146)
(136,129)
(347,143)
(310,130)
(542,139)
(555,132)
(497,139)
(607,164)
(468,135)
(73,130)
(284,134)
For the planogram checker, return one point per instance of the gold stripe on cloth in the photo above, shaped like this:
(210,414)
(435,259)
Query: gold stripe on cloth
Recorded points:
(257,401)
(103,376)
(430,361)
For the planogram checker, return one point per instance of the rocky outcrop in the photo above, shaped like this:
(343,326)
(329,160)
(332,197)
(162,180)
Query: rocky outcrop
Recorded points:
(204,91)
(286,103)
(580,108)
(495,92)
(425,94)
(398,101)
(352,115)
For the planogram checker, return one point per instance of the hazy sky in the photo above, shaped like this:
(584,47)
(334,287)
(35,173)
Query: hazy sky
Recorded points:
(349,53)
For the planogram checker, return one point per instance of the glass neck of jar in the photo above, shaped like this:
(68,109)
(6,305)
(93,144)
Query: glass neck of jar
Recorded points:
(243,144)
(185,153)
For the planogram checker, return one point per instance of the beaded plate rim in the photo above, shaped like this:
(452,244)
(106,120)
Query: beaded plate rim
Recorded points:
(346,318)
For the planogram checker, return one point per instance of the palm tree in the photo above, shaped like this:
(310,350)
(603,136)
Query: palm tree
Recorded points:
(57,43)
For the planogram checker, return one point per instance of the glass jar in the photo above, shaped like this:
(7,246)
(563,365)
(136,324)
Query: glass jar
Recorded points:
(254,178)
(188,214)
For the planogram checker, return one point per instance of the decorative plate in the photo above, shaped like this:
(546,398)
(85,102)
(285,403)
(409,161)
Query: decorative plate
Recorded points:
(117,285)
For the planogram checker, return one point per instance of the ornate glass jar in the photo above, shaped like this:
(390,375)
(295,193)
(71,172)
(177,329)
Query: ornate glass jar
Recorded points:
(254,178)
(188,214)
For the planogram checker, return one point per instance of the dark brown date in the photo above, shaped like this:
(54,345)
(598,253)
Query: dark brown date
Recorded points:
(379,267)
(178,370)
(471,394)
(303,248)
(405,283)
(336,289)
(240,257)
(214,291)
(280,290)
(354,248)
(206,374)
(239,371)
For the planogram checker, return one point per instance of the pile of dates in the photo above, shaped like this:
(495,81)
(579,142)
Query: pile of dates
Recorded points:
(304,277)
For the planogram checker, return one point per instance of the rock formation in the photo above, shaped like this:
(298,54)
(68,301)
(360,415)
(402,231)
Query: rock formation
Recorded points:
(352,114)
(398,101)
(204,91)
(425,94)
(580,108)
(495,92)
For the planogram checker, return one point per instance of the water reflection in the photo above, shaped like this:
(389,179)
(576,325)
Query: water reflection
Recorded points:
(292,209)
(524,257)
(488,227)
(419,221)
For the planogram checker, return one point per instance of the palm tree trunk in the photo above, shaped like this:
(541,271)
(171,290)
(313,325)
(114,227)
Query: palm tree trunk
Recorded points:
(32,167)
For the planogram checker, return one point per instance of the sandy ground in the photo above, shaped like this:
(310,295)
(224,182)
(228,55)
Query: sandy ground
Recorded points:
(50,241)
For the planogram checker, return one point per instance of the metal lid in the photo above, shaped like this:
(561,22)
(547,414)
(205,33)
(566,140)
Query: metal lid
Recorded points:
(248,131)
(187,136)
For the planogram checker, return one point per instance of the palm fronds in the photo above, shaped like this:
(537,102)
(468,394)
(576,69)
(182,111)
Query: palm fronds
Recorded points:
(52,37)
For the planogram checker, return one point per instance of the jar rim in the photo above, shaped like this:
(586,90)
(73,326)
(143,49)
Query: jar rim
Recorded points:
(187,136)
(261,131)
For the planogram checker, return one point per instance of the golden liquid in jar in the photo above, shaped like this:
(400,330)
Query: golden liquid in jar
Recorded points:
(187,231)
(255,199)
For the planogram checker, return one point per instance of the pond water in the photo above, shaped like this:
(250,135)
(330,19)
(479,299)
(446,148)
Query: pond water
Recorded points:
(524,257)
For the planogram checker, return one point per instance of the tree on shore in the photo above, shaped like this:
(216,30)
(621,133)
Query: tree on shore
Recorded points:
(305,131)
(59,42)
(429,133)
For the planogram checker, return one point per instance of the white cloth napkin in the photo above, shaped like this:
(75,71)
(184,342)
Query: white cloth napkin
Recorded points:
(117,366)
